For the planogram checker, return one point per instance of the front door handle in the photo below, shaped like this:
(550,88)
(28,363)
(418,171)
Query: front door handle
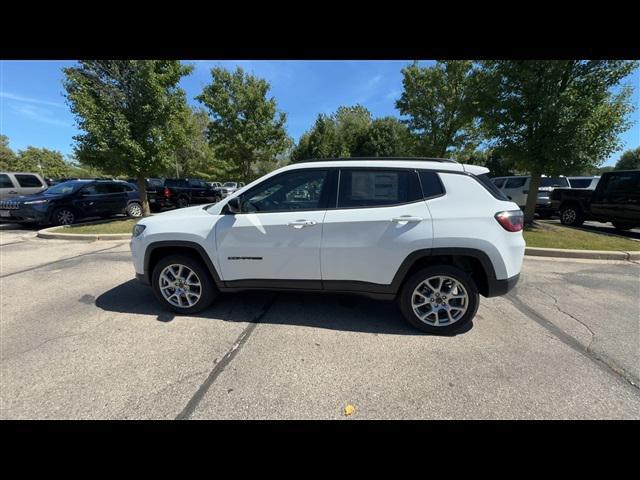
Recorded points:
(13,192)
(406,218)
(302,223)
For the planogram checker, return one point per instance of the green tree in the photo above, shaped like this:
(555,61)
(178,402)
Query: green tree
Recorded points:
(48,163)
(630,160)
(130,113)
(323,140)
(553,117)
(245,126)
(439,101)
(498,165)
(7,156)
(387,137)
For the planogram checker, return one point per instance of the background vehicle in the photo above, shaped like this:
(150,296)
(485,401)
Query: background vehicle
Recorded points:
(214,185)
(433,234)
(182,192)
(616,199)
(154,187)
(588,183)
(228,188)
(517,189)
(67,202)
(14,184)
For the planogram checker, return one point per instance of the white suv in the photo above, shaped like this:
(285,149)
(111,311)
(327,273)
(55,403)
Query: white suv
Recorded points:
(433,233)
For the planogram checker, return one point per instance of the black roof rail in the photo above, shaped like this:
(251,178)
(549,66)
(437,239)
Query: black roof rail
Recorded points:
(411,159)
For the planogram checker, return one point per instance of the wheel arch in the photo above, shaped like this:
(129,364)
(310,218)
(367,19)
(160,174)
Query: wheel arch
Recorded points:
(157,250)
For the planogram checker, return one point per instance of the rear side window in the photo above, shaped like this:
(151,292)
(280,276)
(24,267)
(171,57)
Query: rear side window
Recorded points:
(498,182)
(5,181)
(491,187)
(28,181)
(377,188)
(431,184)
(580,182)
(115,188)
(515,182)
(622,183)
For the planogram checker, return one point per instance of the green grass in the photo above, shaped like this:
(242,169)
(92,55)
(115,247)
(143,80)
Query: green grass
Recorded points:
(555,236)
(113,226)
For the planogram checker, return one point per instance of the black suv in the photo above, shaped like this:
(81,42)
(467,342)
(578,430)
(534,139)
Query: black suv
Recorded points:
(67,202)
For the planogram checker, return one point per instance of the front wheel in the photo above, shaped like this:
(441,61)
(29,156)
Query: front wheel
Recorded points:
(571,215)
(440,299)
(64,216)
(183,284)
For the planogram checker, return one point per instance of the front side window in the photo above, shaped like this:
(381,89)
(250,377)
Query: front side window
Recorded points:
(5,181)
(28,181)
(516,182)
(297,190)
(377,188)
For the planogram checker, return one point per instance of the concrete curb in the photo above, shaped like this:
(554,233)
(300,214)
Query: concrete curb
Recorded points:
(589,254)
(49,234)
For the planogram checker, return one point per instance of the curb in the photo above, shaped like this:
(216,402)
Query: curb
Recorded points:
(49,234)
(589,254)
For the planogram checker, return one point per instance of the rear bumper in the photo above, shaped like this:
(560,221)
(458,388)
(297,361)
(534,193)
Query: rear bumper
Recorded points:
(501,287)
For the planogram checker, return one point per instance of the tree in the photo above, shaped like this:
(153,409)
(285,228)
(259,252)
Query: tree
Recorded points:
(553,117)
(245,127)
(387,137)
(7,157)
(498,165)
(130,113)
(440,105)
(48,163)
(630,160)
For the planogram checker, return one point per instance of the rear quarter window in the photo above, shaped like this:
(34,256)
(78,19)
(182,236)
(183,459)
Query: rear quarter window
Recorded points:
(431,184)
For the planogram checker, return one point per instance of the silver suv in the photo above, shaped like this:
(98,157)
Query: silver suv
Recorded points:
(16,184)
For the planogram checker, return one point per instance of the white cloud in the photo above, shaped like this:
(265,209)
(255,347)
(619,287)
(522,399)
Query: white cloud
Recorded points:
(20,98)
(39,114)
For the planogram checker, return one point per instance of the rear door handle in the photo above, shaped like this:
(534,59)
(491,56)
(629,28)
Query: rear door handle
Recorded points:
(406,218)
(302,223)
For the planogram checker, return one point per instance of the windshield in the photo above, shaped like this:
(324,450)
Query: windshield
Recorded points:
(230,184)
(64,188)
(554,182)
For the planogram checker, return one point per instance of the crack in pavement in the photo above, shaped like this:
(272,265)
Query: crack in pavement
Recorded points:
(607,365)
(219,366)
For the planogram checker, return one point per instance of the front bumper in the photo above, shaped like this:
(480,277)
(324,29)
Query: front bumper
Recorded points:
(24,214)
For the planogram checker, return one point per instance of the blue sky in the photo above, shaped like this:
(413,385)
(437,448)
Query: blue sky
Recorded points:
(33,109)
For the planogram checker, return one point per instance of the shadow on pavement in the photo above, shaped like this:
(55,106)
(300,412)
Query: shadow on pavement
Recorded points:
(349,313)
(606,228)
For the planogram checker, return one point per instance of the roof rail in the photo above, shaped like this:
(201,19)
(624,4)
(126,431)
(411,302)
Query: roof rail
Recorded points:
(411,159)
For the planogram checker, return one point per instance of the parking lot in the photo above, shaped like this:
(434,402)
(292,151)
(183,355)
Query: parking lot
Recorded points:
(80,338)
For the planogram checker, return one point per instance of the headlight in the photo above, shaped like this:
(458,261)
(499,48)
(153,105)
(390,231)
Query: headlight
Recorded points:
(138,229)
(34,202)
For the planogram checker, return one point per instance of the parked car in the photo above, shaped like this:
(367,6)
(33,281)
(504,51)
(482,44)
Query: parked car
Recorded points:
(228,188)
(182,192)
(214,185)
(616,199)
(14,184)
(517,189)
(154,188)
(67,202)
(588,183)
(433,234)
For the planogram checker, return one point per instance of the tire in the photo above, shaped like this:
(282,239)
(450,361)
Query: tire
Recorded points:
(182,202)
(134,209)
(217,198)
(439,321)
(571,215)
(545,215)
(623,226)
(63,216)
(207,291)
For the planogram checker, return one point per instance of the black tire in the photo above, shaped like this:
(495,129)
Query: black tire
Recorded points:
(406,294)
(545,215)
(623,226)
(571,215)
(63,216)
(134,209)
(208,291)
(182,202)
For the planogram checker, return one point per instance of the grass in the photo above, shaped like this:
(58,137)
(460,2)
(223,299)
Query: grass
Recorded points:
(113,226)
(556,236)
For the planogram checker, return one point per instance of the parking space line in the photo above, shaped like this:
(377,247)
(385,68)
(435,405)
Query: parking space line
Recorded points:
(219,367)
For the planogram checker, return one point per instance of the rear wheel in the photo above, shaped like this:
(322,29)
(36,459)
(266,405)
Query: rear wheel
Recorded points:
(439,299)
(63,216)
(183,284)
(134,209)
(571,215)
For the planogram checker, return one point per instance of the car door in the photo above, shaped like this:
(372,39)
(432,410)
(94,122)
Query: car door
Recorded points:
(116,201)
(92,200)
(381,217)
(30,184)
(7,188)
(517,189)
(277,236)
(618,197)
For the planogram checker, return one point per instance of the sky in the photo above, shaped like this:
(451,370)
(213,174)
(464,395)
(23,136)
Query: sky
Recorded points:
(33,110)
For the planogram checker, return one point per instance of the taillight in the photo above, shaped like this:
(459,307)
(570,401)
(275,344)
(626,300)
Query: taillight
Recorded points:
(511,221)
(166,192)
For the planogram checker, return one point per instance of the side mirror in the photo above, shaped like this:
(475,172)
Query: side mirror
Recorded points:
(234,205)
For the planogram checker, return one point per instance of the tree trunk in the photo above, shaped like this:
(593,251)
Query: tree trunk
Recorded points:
(142,190)
(532,197)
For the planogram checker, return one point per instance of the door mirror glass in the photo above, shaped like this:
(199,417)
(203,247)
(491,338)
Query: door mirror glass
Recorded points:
(234,205)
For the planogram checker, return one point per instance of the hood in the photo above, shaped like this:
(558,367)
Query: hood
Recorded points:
(35,196)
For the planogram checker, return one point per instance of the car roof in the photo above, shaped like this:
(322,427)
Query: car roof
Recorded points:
(391,162)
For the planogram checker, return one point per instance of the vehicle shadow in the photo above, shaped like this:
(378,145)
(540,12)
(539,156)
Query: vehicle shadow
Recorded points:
(351,313)
(605,228)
